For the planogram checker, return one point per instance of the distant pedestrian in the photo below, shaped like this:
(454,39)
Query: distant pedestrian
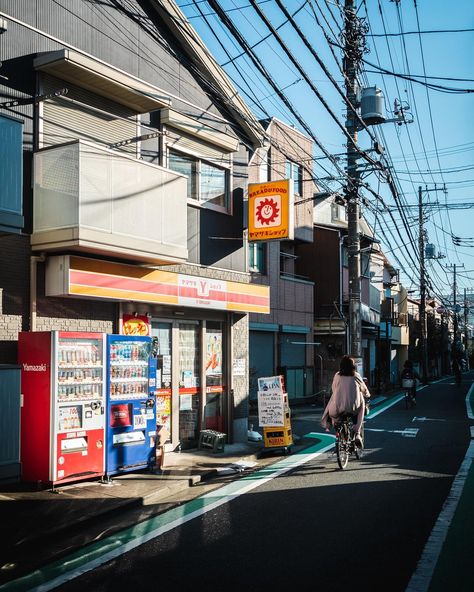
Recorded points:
(349,392)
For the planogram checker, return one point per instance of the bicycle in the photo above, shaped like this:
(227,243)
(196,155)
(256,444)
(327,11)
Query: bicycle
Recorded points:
(345,442)
(410,393)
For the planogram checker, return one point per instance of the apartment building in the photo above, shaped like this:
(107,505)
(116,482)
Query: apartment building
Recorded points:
(124,153)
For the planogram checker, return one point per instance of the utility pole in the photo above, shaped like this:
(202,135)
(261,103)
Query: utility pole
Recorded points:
(465,318)
(466,321)
(455,352)
(421,248)
(422,306)
(351,65)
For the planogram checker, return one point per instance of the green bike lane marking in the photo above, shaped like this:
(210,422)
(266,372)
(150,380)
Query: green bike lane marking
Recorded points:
(96,554)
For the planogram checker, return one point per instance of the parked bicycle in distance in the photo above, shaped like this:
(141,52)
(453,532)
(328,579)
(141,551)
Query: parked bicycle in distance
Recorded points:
(345,444)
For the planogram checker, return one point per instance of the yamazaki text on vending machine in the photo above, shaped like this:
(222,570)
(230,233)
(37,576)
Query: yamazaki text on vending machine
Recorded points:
(131,420)
(63,406)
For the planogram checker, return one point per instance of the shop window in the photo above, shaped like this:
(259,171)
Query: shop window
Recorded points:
(161,334)
(258,257)
(207,184)
(189,391)
(295,172)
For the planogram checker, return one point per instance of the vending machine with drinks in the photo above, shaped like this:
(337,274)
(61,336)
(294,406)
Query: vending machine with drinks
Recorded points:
(62,406)
(131,421)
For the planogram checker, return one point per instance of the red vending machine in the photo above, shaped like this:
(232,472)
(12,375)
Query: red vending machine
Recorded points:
(62,406)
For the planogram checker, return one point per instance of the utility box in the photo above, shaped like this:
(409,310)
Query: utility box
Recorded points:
(372,109)
(10,467)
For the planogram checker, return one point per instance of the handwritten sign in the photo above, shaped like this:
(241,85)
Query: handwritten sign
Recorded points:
(271,408)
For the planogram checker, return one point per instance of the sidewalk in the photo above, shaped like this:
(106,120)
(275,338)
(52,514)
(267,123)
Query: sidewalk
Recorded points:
(34,522)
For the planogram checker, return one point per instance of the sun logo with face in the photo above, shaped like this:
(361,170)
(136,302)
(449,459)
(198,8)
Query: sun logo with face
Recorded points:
(267,211)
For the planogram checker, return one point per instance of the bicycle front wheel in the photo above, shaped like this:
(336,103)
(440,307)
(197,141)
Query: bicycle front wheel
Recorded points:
(342,447)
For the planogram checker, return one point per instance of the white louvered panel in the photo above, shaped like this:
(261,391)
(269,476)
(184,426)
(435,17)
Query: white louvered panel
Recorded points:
(64,121)
(103,122)
(179,141)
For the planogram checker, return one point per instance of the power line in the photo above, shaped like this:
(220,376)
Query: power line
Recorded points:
(419,32)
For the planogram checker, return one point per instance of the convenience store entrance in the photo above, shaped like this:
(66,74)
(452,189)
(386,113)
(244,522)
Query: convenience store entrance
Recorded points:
(191,387)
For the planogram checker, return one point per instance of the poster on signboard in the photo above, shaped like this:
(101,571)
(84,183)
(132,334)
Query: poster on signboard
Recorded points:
(266,383)
(213,353)
(271,408)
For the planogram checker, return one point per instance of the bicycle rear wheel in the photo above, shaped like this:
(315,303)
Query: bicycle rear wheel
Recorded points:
(358,451)
(342,446)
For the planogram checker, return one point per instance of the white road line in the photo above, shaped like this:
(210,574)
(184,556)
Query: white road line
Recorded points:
(101,552)
(421,578)
(406,433)
(470,412)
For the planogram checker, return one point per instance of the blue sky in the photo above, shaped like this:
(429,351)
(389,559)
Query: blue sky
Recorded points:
(436,148)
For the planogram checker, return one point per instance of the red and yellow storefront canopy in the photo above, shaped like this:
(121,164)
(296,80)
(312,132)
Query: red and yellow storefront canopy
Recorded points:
(89,278)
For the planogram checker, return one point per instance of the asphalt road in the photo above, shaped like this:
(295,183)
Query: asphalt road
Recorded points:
(364,527)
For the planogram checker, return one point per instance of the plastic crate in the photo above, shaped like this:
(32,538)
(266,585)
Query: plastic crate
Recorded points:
(211,440)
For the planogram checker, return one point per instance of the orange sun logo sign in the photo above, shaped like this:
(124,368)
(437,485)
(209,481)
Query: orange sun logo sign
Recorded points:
(267,211)
(270,210)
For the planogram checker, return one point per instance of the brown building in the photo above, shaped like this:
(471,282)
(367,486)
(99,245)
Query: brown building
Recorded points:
(281,342)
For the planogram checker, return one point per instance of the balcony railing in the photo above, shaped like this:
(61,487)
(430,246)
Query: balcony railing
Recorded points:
(91,199)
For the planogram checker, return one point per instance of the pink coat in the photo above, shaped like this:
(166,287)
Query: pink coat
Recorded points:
(347,397)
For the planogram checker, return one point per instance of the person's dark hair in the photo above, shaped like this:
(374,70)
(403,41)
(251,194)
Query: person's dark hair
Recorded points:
(347,366)
(408,364)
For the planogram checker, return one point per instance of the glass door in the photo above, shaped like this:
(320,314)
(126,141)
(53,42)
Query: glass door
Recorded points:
(161,333)
(213,411)
(189,383)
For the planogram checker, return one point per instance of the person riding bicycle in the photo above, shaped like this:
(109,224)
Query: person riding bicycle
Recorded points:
(409,373)
(349,392)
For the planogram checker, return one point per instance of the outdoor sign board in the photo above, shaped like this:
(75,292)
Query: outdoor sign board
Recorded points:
(271,403)
(271,211)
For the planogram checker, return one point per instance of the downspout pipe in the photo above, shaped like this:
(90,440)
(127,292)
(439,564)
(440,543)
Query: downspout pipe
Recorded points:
(34,260)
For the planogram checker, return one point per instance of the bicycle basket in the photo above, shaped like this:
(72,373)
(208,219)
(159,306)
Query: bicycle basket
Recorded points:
(408,382)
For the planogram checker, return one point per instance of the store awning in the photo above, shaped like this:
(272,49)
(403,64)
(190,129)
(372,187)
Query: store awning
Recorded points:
(79,277)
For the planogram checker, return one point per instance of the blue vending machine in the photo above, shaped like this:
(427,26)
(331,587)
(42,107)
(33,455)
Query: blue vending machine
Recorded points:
(131,415)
